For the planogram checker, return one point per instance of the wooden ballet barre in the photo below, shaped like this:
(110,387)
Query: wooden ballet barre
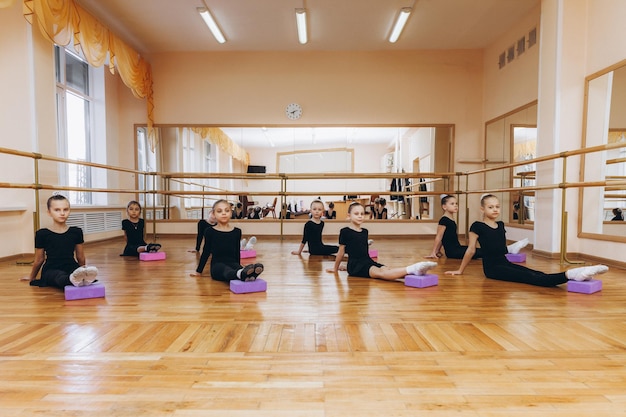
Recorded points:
(615,161)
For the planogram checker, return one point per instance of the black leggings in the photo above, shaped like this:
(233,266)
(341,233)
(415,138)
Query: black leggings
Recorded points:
(225,271)
(459,251)
(518,273)
(53,278)
(131,250)
(323,250)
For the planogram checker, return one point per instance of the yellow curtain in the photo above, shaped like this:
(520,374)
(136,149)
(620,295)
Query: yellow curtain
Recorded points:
(6,3)
(64,21)
(217,136)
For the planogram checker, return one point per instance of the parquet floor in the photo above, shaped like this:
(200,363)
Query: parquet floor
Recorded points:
(165,344)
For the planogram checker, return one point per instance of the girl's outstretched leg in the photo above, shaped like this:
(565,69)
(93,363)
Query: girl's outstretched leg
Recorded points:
(83,275)
(250,272)
(517,246)
(585,273)
(392,274)
(420,268)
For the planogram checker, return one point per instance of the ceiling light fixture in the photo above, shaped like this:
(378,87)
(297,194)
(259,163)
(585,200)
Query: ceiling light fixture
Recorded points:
(210,22)
(405,12)
(301,23)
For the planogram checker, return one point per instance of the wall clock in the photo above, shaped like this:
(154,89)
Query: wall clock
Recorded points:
(293,111)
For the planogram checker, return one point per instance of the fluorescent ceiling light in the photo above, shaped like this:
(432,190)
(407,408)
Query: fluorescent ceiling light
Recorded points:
(210,22)
(301,23)
(399,25)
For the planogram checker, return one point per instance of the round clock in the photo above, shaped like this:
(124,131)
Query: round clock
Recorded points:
(293,111)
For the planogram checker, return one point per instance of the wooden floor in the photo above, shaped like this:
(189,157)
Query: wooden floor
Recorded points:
(165,344)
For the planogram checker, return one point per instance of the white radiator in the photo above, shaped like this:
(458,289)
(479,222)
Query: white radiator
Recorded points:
(96,221)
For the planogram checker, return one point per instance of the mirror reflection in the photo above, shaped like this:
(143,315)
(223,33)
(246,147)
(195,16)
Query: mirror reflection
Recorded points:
(602,208)
(513,138)
(310,150)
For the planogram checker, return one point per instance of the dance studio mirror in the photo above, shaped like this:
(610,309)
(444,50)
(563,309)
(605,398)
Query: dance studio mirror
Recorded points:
(313,150)
(512,137)
(604,123)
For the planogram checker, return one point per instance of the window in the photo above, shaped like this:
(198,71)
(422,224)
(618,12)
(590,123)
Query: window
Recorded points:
(199,155)
(146,162)
(80,110)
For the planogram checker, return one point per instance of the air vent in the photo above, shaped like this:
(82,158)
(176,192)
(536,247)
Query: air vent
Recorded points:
(517,49)
(521,46)
(532,37)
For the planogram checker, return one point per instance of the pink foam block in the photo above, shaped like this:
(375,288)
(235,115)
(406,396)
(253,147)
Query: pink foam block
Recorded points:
(247,254)
(88,291)
(421,281)
(151,256)
(241,287)
(516,257)
(584,287)
(373,253)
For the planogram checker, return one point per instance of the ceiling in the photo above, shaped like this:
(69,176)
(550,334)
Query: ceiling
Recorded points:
(157,26)
(333,137)
(160,26)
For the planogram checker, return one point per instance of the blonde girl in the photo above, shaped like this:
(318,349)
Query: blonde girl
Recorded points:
(312,235)
(134,231)
(223,242)
(491,235)
(353,240)
(448,238)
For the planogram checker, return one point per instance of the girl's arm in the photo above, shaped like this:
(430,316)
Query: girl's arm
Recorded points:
(306,234)
(80,254)
(124,222)
(469,253)
(436,252)
(206,252)
(299,251)
(39,259)
(338,258)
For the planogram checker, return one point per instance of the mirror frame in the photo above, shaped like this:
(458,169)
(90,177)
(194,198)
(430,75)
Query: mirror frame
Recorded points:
(581,233)
(512,195)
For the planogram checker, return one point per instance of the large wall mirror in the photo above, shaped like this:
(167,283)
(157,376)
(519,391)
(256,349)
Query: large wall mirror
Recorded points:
(512,137)
(602,208)
(285,150)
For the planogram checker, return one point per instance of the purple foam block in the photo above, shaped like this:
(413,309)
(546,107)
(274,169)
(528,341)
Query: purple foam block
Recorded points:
(584,287)
(516,257)
(421,281)
(88,291)
(373,253)
(243,254)
(151,256)
(242,287)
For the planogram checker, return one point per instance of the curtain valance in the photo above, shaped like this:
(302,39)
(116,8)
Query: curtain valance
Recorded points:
(217,136)
(64,21)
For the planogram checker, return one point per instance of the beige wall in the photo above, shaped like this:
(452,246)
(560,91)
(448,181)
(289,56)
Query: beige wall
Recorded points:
(516,83)
(333,88)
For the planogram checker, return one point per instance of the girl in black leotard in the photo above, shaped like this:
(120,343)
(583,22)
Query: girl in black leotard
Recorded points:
(223,242)
(491,236)
(313,233)
(353,240)
(448,238)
